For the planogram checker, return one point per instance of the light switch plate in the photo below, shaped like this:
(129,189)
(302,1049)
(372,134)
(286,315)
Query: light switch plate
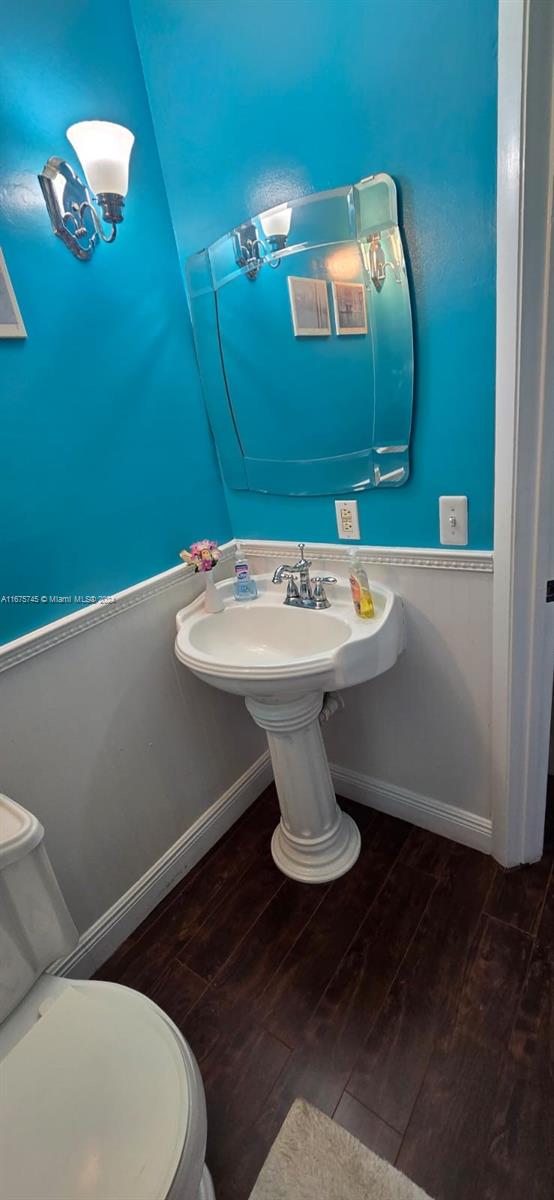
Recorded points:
(453,520)
(348,524)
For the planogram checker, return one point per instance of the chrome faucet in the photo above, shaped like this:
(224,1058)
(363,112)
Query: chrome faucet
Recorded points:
(307,593)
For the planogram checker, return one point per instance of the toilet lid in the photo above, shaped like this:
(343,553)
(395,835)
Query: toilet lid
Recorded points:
(93,1102)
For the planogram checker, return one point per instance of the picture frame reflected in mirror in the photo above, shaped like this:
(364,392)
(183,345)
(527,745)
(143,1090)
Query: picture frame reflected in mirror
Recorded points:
(350,305)
(309,304)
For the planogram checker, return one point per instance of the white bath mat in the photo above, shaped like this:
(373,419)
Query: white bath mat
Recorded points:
(313,1158)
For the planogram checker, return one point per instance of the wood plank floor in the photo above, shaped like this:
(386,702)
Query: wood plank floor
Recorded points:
(413,1000)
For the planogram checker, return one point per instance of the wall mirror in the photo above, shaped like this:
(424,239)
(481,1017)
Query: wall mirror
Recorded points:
(303,332)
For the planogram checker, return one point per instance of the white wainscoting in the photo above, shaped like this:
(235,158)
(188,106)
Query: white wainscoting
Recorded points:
(121,752)
(416,741)
(136,768)
(111,929)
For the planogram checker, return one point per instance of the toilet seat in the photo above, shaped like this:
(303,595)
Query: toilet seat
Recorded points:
(101,1099)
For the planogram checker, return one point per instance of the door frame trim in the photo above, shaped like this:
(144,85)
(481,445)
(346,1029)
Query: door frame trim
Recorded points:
(523,629)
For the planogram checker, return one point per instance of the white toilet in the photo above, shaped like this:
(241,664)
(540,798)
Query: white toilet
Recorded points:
(100,1095)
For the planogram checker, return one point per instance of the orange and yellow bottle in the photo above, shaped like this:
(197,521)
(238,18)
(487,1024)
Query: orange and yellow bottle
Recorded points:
(359,585)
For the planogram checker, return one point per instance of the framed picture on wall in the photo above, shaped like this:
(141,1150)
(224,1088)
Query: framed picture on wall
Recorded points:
(350,307)
(11,321)
(309,306)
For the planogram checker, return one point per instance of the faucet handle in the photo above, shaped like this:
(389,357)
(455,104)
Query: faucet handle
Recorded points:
(319,594)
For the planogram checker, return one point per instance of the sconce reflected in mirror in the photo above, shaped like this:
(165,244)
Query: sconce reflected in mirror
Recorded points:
(252,251)
(104,149)
(376,261)
(276,225)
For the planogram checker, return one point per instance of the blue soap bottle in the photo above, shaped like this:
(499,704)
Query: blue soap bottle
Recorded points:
(244,586)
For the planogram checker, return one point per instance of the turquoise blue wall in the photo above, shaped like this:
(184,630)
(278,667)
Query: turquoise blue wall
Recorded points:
(107,460)
(255,101)
(107,464)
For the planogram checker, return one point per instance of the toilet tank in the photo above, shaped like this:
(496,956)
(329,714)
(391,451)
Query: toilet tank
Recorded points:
(35,925)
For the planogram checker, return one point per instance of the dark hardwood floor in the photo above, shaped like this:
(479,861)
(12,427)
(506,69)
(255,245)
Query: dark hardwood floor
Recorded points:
(413,1000)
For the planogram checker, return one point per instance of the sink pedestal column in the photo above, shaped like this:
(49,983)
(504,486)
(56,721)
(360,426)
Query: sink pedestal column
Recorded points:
(315,841)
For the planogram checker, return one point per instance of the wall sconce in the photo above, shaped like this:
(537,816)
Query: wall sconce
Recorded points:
(104,150)
(376,263)
(251,251)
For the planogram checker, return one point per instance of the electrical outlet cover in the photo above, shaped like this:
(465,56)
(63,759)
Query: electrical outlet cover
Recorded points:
(348,524)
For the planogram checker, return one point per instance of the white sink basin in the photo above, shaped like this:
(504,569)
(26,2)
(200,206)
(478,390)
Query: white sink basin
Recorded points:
(264,648)
(267,636)
(283,660)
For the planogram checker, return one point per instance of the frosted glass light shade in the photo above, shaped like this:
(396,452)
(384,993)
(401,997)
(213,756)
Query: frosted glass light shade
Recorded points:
(276,222)
(104,150)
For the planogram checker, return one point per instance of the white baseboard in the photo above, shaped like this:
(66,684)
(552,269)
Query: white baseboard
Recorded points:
(444,819)
(111,929)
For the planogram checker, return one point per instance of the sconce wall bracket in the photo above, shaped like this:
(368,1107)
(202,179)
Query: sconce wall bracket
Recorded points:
(64,196)
(72,214)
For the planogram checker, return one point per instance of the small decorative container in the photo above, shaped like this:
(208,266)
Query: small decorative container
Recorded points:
(204,556)
(212,598)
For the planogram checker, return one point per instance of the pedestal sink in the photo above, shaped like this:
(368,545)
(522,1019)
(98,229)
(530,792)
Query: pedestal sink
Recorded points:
(283,660)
